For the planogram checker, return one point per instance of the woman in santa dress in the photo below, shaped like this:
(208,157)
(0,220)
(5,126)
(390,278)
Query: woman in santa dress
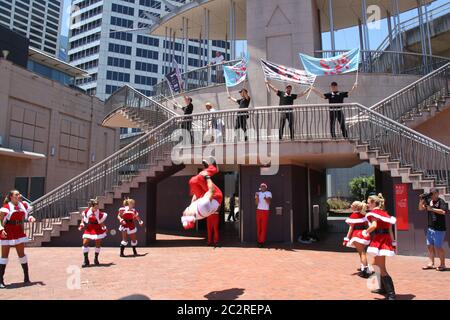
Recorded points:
(12,216)
(357,223)
(382,244)
(127,216)
(207,197)
(93,220)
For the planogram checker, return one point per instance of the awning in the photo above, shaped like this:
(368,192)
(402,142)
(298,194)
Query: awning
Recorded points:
(21,154)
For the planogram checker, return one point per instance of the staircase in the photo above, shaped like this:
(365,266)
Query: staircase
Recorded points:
(132,109)
(376,133)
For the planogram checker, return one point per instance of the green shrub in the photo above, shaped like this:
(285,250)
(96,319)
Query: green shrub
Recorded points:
(337,204)
(356,186)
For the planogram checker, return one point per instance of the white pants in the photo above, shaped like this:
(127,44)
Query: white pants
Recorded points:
(200,209)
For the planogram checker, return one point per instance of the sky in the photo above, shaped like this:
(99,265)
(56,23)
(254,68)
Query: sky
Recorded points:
(345,39)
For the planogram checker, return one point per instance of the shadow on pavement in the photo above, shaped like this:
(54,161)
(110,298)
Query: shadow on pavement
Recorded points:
(135,297)
(18,285)
(229,294)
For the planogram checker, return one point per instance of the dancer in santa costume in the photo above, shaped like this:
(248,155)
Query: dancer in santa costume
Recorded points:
(357,224)
(207,197)
(93,220)
(127,216)
(12,216)
(383,244)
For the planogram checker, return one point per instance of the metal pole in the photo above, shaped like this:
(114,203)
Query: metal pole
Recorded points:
(331,21)
(391,40)
(165,51)
(422,36)
(186,51)
(365,32)
(428,27)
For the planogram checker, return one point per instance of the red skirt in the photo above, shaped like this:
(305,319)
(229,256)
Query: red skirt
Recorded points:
(14,235)
(129,228)
(381,245)
(358,237)
(94,232)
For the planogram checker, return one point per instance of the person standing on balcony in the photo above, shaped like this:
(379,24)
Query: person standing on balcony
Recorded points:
(188,109)
(382,244)
(263,198)
(93,219)
(437,210)
(218,61)
(12,216)
(127,216)
(244,103)
(216,123)
(336,97)
(287,98)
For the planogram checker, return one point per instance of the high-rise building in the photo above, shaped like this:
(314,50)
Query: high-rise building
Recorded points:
(38,20)
(114,58)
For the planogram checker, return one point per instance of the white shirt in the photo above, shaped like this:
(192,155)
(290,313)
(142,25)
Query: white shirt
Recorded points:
(262,204)
(217,60)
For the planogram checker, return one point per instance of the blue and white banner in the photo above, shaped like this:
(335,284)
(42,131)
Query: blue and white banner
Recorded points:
(235,74)
(344,63)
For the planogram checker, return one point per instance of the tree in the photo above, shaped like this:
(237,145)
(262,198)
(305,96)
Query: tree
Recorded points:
(358,183)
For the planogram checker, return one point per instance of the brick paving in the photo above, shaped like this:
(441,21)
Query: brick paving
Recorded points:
(182,268)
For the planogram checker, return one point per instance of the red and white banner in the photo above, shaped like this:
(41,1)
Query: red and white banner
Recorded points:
(401,206)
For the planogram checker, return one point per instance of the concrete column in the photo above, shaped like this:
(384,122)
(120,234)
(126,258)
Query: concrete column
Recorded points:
(279,30)
(165,51)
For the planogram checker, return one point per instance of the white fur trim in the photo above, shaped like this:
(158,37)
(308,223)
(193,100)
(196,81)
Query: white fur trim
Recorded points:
(365,233)
(105,215)
(23,260)
(94,236)
(97,250)
(134,243)
(14,242)
(85,249)
(127,230)
(359,240)
(346,239)
(354,221)
(4,210)
(394,243)
(4,261)
(124,243)
(377,252)
(391,220)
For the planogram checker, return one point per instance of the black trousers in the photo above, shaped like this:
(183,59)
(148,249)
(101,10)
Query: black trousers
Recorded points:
(187,125)
(241,123)
(287,116)
(337,114)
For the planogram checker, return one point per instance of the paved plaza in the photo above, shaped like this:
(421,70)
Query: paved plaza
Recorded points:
(183,268)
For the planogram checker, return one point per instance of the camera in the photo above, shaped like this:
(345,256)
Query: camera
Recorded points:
(426,197)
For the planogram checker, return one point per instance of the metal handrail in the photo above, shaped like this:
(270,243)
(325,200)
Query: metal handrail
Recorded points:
(416,95)
(203,77)
(414,22)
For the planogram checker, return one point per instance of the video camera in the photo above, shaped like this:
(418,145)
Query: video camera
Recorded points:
(426,197)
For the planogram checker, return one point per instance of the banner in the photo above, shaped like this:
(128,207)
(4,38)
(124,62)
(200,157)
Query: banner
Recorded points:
(235,74)
(174,82)
(344,63)
(401,206)
(281,73)
(177,72)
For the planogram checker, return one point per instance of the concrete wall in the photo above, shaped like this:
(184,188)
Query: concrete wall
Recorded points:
(438,127)
(38,114)
(372,89)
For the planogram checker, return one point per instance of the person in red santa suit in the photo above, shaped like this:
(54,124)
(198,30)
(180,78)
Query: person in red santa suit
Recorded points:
(357,223)
(12,216)
(207,197)
(127,216)
(383,243)
(93,220)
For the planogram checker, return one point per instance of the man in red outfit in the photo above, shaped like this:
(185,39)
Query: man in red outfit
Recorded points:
(262,201)
(212,223)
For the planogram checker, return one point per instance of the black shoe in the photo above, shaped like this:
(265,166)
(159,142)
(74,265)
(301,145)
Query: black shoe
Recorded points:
(365,274)
(122,249)
(390,290)
(96,262)
(86,262)
(2,273)
(26,277)
(135,251)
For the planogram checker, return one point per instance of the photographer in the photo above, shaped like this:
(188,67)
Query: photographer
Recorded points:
(437,209)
